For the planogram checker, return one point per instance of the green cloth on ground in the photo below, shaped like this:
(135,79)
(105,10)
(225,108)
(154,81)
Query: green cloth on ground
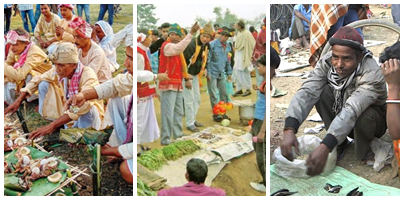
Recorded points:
(277,93)
(314,186)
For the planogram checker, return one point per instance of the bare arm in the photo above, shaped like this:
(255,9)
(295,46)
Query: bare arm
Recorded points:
(391,72)
(301,16)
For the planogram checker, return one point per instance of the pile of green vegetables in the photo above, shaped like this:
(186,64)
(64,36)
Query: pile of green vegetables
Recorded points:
(143,189)
(156,158)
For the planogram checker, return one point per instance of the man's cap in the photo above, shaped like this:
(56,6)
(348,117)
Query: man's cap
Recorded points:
(348,36)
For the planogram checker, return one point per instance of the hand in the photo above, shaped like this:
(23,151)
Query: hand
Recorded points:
(46,130)
(194,28)
(316,161)
(255,87)
(205,73)
(229,78)
(76,100)
(163,77)
(391,72)
(12,108)
(47,44)
(42,44)
(207,77)
(261,137)
(289,141)
(188,85)
(59,31)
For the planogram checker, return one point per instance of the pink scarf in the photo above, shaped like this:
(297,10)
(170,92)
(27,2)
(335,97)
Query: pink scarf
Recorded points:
(23,57)
(75,80)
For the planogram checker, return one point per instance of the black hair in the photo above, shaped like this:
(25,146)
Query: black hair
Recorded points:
(241,24)
(165,25)
(216,25)
(197,170)
(275,59)
(262,60)
(252,29)
(390,52)
(46,4)
(155,32)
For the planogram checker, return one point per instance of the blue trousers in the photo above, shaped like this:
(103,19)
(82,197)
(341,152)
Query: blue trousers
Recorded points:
(37,12)
(86,8)
(103,10)
(28,14)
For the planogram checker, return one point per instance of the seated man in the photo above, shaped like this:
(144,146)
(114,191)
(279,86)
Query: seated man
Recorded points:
(119,111)
(63,32)
(45,30)
(299,30)
(349,92)
(24,61)
(59,84)
(104,33)
(90,53)
(197,171)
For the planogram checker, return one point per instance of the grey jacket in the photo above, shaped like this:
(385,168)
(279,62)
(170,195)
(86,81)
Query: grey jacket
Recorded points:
(368,88)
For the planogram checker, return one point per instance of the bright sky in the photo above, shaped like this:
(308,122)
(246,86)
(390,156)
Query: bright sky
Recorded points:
(185,14)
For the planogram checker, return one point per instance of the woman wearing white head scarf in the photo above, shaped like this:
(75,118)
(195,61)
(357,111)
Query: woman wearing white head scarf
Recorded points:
(104,33)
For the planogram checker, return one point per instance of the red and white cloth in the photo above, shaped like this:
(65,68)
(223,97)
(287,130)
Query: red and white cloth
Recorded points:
(81,27)
(75,80)
(323,16)
(13,36)
(71,6)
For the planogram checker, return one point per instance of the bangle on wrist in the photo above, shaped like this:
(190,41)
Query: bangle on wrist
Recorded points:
(393,101)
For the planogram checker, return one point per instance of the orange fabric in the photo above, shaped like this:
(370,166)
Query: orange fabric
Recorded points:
(323,16)
(396,144)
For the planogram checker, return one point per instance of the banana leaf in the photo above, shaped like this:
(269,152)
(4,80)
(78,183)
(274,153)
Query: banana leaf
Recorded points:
(39,187)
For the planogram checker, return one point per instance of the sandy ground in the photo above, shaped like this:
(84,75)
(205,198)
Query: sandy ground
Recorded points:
(236,175)
(292,84)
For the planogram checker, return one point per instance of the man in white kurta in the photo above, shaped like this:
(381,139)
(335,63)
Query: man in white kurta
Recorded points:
(90,53)
(244,47)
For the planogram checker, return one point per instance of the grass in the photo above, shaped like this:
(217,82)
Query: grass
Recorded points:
(125,17)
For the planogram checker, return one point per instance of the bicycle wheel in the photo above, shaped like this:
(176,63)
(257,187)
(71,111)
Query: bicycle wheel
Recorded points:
(367,22)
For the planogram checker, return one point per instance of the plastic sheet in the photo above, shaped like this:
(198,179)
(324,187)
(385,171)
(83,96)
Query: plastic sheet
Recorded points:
(297,168)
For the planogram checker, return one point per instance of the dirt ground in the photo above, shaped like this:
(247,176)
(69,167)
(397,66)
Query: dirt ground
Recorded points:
(292,84)
(236,175)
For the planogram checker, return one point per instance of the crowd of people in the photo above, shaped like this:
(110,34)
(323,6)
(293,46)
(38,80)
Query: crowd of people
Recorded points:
(67,65)
(171,63)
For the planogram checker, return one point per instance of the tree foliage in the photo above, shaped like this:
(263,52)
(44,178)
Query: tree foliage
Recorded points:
(146,19)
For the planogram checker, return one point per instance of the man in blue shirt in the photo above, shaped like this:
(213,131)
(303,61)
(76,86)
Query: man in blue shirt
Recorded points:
(218,67)
(299,30)
(258,128)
